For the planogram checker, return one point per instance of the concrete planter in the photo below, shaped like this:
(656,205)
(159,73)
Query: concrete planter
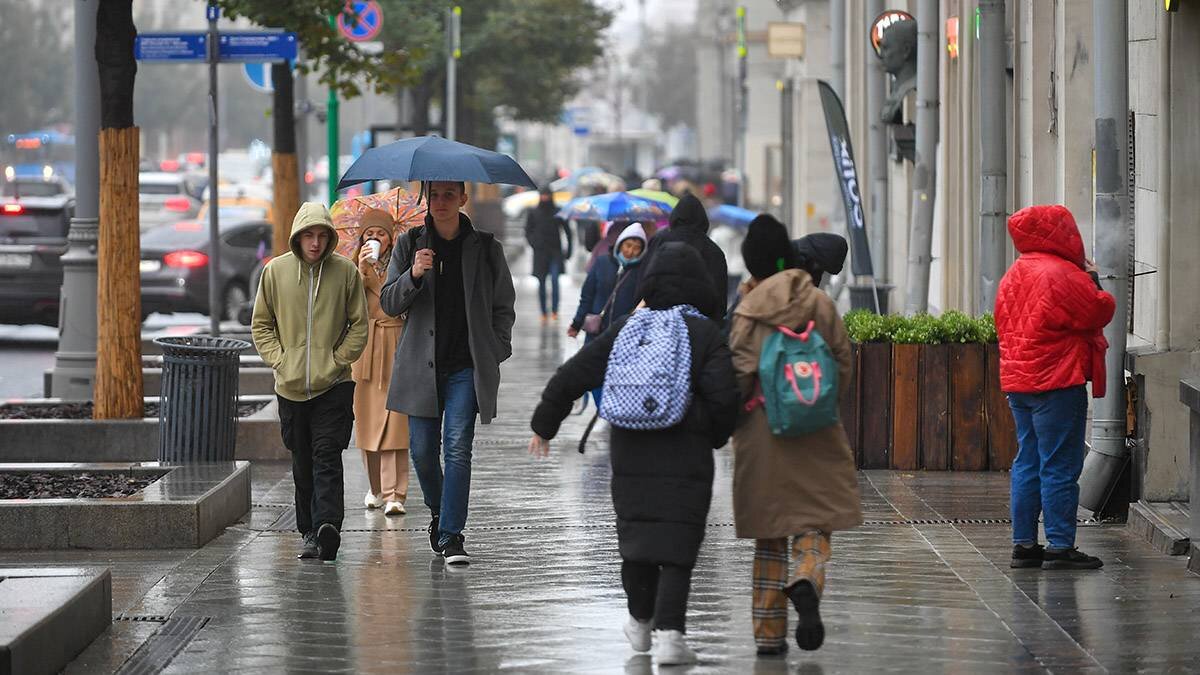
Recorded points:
(258,437)
(252,381)
(50,616)
(185,508)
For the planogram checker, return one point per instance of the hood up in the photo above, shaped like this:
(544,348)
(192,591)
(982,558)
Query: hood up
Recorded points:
(311,214)
(672,280)
(1047,228)
(689,214)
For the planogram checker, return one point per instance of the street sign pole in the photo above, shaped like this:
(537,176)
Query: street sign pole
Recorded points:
(214,192)
(331,124)
(453,49)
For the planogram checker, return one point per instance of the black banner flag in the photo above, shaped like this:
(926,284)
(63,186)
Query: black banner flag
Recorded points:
(847,175)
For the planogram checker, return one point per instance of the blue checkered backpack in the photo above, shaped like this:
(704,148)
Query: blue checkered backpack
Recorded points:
(648,383)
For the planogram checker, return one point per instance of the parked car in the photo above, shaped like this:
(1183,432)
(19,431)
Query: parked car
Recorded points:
(175,261)
(164,198)
(35,215)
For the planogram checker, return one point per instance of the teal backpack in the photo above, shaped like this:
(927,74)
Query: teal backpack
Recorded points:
(799,380)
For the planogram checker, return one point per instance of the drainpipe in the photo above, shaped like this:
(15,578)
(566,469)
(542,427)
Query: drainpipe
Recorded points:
(993,193)
(1162,333)
(877,151)
(1108,454)
(924,181)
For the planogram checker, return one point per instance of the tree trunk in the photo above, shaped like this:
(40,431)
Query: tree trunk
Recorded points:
(422,94)
(119,302)
(118,388)
(286,184)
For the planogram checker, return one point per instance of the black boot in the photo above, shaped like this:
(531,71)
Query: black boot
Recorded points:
(1070,559)
(810,632)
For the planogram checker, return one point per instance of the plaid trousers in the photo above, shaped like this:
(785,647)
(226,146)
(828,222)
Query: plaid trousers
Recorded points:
(810,551)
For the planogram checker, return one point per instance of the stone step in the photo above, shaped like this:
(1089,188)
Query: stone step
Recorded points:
(1164,525)
(49,615)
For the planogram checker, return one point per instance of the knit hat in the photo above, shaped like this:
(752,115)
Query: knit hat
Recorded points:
(766,248)
(634,231)
(820,252)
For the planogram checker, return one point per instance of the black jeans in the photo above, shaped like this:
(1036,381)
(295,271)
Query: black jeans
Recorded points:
(316,431)
(658,592)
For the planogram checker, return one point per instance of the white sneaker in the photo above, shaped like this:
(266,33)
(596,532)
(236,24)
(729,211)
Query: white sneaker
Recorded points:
(671,649)
(371,501)
(394,509)
(638,633)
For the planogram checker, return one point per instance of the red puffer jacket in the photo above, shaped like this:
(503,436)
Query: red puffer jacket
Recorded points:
(1049,314)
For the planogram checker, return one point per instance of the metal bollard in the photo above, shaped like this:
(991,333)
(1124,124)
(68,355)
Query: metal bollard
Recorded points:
(197,414)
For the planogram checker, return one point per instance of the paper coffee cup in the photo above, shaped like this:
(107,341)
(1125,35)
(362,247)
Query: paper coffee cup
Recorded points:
(372,246)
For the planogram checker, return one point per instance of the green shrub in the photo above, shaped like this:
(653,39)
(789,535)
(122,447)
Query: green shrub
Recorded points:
(922,329)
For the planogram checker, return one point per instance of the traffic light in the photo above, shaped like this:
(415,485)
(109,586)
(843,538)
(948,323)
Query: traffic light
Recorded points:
(898,50)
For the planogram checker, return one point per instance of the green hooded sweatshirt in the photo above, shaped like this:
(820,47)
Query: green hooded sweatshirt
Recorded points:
(310,321)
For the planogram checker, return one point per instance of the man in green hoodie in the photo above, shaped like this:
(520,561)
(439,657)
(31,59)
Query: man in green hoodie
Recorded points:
(309,325)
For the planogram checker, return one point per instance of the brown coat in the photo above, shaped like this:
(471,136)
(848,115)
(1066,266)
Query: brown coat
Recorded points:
(376,427)
(784,486)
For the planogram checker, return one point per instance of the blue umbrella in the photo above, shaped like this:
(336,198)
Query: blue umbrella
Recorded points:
(615,206)
(430,158)
(734,216)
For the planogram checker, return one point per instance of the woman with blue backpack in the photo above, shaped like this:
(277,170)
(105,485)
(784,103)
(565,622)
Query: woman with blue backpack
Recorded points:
(670,398)
(794,481)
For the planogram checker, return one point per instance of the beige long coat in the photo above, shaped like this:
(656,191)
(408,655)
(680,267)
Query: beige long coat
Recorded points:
(376,427)
(784,486)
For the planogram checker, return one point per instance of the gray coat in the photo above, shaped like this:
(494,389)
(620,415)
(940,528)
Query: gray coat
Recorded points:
(490,316)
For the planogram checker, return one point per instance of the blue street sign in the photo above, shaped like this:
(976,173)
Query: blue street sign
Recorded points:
(234,46)
(259,76)
(170,47)
(245,46)
(213,13)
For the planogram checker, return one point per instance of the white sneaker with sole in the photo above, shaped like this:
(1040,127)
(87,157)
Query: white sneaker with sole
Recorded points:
(394,509)
(371,501)
(638,633)
(671,649)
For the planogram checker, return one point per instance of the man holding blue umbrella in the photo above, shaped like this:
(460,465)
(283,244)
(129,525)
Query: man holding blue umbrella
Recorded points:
(454,283)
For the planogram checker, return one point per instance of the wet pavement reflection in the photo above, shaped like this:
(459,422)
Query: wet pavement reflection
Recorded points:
(909,591)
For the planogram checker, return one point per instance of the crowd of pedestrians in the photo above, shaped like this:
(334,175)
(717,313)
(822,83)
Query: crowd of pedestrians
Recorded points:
(406,342)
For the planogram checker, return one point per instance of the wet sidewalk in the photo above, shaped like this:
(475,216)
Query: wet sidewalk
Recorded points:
(923,586)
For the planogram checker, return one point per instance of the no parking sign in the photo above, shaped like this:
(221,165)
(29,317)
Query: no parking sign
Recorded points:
(362,20)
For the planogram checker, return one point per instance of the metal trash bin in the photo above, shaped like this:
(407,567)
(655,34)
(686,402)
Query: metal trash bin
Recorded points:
(197,413)
(860,297)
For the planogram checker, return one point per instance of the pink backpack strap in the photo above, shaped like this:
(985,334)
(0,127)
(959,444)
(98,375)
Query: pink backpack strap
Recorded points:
(798,336)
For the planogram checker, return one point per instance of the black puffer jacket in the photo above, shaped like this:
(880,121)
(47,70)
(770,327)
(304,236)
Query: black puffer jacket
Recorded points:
(662,480)
(689,224)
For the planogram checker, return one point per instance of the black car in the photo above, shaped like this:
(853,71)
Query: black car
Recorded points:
(35,215)
(175,260)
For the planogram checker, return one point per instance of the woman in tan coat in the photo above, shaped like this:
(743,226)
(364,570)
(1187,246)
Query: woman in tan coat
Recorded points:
(797,488)
(382,434)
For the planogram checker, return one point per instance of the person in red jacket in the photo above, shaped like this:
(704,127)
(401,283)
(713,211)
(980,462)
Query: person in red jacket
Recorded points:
(1050,316)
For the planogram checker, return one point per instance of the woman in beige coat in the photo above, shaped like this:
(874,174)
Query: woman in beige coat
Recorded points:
(382,434)
(801,488)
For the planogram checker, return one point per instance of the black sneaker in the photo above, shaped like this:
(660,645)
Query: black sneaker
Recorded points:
(455,553)
(810,632)
(434,535)
(1027,556)
(1070,559)
(309,550)
(328,541)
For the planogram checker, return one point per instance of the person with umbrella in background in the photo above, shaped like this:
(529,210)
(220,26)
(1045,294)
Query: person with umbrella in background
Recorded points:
(382,434)
(454,284)
(542,232)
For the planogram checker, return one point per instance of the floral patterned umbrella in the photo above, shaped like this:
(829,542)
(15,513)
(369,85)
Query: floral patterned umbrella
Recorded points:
(401,204)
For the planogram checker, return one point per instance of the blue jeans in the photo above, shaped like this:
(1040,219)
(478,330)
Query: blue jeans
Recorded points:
(447,494)
(1045,474)
(555,269)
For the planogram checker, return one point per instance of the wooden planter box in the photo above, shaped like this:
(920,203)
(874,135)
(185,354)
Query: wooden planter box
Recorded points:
(933,407)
